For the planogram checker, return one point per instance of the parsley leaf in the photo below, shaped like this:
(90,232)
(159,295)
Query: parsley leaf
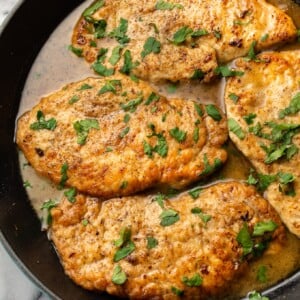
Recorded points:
(110,86)
(181,35)
(293,107)
(256,296)
(261,275)
(83,127)
(76,51)
(210,168)
(234,97)
(99,68)
(204,217)
(27,184)
(213,112)
(169,217)
(152,98)
(198,74)
(234,127)
(178,134)
(261,228)
(245,240)
(126,118)
(261,181)
(99,29)
(64,175)
(92,9)
(160,200)
(160,148)
(224,71)
(71,194)
(124,132)
(85,86)
(128,65)
(264,37)
(125,235)
(151,45)
(48,205)
(151,242)
(251,55)
(124,251)
(249,118)
(164,5)
(132,105)
(195,280)
(196,134)
(42,123)
(177,291)
(119,276)
(198,109)
(74,99)
(119,33)
(115,55)
(195,192)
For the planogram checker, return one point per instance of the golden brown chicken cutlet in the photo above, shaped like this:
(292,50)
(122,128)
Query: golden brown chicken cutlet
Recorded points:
(176,40)
(148,247)
(112,136)
(263,115)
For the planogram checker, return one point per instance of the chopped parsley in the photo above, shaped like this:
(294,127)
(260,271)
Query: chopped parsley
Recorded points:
(99,29)
(234,127)
(198,109)
(198,74)
(124,185)
(293,107)
(42,123)
(256,296)
(115,55)
(151,242)
(177,134)
(195,280)
(119,33)
(210,168)
(217,34)
(195,192)
(74,99)
(128,65)
(85,222)
(298,35)
(92,9)
(160,200)
(83,127)
(264,37)
(152,45)
(27,184)
(132,105)
(168,217)
(250,118)
(76,51)
(124,132)
(164,5)
(244,238)
(85,86)
(64,175)
(119,276)
(234,97)
(110,86)
(213,112)
(152,98)
(224,71)
(261,228)
(198,211)
(126,118)
(171,88)
(71,194)
(261,181)
(124,243)
(177,291)
(261,274)
(196,134)
(286,185)
(251,55)
(182,34)
(93,43)
(102,70)
(48,205)
(160,148)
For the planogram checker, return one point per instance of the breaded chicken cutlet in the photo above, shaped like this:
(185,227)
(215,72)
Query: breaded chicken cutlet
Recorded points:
(148,247)
(111,136)
(264,122)
(177,40)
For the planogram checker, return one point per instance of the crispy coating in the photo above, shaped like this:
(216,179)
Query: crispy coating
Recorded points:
(138,145)
(266,89)
(188,247)
(228,29)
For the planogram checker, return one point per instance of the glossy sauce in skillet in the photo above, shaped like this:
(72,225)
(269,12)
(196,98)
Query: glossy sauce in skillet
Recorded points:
(55,66)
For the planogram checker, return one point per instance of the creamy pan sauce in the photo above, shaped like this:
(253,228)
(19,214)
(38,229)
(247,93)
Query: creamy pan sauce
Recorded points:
(55,66)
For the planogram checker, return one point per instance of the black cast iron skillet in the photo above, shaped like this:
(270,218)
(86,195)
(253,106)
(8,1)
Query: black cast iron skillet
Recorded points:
(20,233)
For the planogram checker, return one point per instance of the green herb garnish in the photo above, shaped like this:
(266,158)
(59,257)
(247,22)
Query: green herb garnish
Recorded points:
(110,86)
(64,175)
(249,118)
(261,228)
(92,9)
(152,45)
(71,194)
(151,242)
(119,276)
(48,205)
(195,192)
(177,134)
(42,123)
(234,127)
(244,238)
(77,51)
(132,105)
(261,275)
(128,65)
(115,55)
(74,99)
(168,217)
(293,107)
(224,71)
(83,127)
(234,97)
(177,291)
(204,217)
(164,5)
(195,280)
(213,112)
(119,33)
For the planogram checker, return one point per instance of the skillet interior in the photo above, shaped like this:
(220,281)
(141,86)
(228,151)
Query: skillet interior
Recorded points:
(20,43)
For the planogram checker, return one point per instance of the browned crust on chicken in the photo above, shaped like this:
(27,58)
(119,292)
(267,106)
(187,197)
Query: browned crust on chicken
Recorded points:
(122,157)
(265,90)
(231,27)
(185,248)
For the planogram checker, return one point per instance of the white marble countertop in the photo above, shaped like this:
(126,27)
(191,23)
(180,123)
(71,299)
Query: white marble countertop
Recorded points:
(14,285)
